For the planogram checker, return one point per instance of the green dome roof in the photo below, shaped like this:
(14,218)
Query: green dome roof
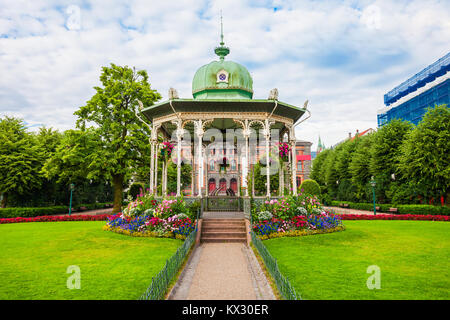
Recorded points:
(222,80)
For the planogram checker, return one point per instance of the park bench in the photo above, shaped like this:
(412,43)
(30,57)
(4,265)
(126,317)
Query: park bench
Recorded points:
(394,210)
(343,205)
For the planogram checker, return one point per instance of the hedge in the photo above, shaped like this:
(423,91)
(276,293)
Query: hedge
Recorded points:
(402,208)
(100,217)
(45,211)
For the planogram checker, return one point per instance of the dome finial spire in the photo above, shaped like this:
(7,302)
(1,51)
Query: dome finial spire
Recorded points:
(221,29)
(221,51)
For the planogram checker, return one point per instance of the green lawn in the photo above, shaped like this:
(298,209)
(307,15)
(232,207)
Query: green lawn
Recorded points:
(34,258)
(414,258)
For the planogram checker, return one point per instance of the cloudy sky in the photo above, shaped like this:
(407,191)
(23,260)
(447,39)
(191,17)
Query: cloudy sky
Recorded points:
(341,55)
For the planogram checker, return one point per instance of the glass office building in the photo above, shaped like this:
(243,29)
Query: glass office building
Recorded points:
(410,100)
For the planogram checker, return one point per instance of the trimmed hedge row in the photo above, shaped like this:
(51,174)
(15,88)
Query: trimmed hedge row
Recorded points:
(100,217)
(417,217)
(402,208)
(45,211)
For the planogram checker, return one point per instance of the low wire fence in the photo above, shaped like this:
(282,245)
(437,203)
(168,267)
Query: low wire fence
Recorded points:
(283,285)
(161,281)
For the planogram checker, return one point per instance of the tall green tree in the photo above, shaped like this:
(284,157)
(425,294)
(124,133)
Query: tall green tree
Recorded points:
(20,160)
(77,157)
(330,171)
(425,154)
(112,109)
(261,180)
(385,154)
(317,167)
(359,167)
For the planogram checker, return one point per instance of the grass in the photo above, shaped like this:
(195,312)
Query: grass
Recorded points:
(413,256)
(34,258)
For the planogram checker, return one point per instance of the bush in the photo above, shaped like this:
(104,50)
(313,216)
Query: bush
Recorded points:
(192,209)
(311,187)
(45,211)
(135,189)
(418,209)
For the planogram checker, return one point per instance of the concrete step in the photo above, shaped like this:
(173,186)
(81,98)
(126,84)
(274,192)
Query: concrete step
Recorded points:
(219,228)
(223,230)
(224,220)
(224,234)
(223,240)
(216,221)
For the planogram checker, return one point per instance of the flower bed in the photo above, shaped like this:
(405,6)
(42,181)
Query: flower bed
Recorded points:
(145,217)
(100,217)
(293,216)
(418,217)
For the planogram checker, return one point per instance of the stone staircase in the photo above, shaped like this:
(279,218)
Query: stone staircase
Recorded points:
(223,230)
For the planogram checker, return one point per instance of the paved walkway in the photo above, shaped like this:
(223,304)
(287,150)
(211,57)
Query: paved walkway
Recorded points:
(222,271)
(87,212)
(340,210)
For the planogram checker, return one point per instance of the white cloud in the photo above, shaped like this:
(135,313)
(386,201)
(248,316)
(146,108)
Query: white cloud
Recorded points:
(342,56)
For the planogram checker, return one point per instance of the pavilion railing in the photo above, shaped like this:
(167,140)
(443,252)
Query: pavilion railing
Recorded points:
(160,283)
(282,282)
(223,203)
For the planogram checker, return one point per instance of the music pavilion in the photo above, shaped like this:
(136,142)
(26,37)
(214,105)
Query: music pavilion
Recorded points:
(223,102)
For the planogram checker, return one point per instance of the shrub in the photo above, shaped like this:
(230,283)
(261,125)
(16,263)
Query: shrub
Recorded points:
(418,209)
(311,187)
(264,215)
(99,217)
(418,217)
(44,211)
(135,189)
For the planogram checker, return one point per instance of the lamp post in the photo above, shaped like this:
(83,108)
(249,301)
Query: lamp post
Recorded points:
(373,183)
(72,187)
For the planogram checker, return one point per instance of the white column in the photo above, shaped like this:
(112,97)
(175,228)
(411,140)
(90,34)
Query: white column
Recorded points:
(192,169)
(199,132)
(163,178)
(206,173)
(267,136)
(294,167)
(179,134)
(246,161)
(155,181)
(152,164)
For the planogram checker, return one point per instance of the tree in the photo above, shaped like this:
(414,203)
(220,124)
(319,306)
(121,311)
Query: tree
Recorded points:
(330,172)
(317,166)
(261,179)
(20,161)
(186,171)
(424,159)
(384,154)
(78,156)
(311,187)
(123,135)
(359,167)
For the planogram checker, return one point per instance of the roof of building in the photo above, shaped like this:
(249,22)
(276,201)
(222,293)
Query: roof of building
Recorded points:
(360,134)
(222,79)
(437,69)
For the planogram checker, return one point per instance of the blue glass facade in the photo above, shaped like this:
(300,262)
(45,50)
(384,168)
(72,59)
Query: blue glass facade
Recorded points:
(414,108)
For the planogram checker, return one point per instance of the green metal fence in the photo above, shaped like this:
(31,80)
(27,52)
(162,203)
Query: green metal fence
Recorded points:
(160,283)
(283,285)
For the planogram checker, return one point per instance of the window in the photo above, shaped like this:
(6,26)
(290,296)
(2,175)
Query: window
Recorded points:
(299,165)
(211,165)
(233,165)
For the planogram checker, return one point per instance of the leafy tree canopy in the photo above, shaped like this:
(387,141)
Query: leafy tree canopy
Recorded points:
(20,160)
(112,110)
